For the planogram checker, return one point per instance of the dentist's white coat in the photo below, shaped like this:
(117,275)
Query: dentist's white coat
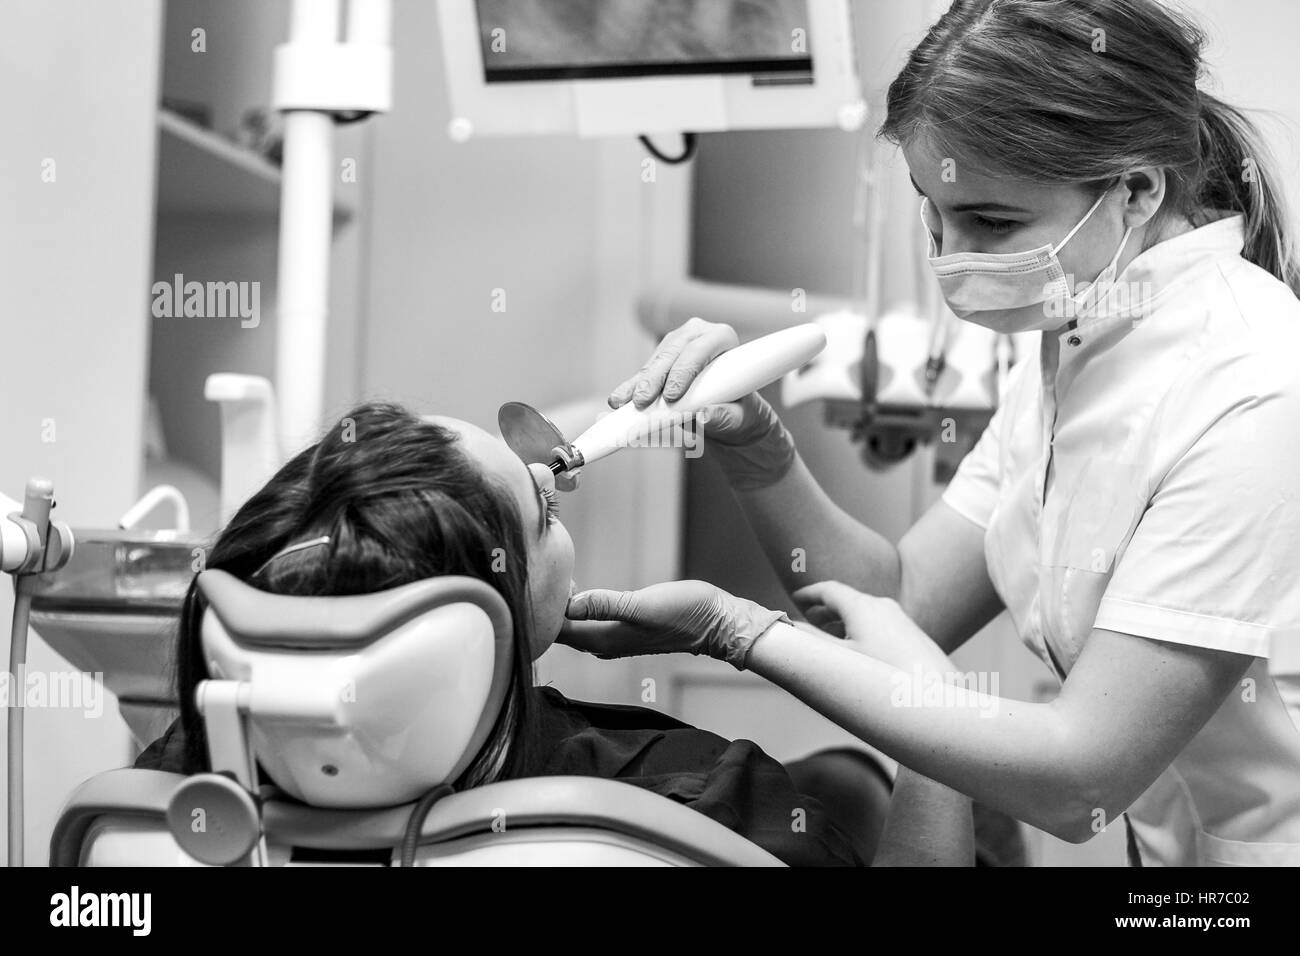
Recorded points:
(1146,480)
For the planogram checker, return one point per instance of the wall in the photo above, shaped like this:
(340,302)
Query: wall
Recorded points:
(74,263)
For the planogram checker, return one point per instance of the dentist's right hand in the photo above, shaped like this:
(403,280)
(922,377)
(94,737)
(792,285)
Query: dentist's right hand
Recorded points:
(745,437)
(692,617)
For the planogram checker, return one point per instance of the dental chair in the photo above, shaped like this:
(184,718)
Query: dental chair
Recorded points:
(361,710)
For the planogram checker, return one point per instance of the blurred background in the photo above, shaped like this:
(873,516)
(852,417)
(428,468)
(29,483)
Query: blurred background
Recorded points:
(165,166)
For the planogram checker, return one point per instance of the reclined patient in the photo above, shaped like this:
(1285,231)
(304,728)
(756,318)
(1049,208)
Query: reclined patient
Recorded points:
(403,498)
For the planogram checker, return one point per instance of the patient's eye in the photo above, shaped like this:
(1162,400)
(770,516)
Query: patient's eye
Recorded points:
(551,498)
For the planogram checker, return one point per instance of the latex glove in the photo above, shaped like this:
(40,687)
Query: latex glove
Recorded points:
(748,440)
(679,616)
(877,626)
(746,437)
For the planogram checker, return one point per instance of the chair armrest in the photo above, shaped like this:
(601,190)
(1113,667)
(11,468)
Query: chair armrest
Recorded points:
(142,794)
(559,801)
(609,805)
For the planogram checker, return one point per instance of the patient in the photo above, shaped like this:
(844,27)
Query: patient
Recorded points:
(402,499)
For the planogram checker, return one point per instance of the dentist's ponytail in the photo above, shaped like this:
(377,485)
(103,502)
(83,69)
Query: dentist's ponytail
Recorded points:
(1078,92)
(1238,174)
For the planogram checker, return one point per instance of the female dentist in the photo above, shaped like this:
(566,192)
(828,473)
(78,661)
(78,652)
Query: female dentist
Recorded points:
(1135,501)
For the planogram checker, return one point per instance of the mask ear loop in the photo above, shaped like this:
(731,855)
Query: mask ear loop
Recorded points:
(1113,269)
(1083,221)
(929,236)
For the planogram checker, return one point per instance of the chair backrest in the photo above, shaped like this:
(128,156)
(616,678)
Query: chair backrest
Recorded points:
(366,700)
(119,818)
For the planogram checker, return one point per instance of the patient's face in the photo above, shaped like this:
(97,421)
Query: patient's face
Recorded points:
(550,549)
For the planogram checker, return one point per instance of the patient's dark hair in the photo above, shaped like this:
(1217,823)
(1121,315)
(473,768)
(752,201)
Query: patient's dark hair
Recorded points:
(400,502)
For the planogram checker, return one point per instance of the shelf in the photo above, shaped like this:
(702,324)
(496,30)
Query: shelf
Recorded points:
(202,174)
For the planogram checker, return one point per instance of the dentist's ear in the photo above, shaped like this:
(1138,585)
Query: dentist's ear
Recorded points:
(1145,191)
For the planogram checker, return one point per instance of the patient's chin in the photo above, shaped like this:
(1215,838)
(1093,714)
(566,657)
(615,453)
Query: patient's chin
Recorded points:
(547,619)
(541,644)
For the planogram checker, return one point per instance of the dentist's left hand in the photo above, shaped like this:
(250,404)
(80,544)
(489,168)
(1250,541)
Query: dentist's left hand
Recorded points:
(693,617)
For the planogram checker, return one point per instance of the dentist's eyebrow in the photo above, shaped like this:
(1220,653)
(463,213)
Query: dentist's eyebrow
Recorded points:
(990,207)
(976,206)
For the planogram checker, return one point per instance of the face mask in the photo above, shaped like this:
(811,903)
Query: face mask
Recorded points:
(1018,291)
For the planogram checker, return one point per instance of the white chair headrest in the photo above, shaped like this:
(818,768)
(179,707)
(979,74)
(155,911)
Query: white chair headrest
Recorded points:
(363,700)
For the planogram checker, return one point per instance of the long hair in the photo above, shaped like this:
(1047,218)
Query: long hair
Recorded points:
(1080,91)
(400,502)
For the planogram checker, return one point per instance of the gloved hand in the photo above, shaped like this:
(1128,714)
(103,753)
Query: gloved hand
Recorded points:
(679,616)
(876,626)
(745,437)
(749,442)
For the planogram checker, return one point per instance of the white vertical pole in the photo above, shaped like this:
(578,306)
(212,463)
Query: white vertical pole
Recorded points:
(306,223)
(369,22)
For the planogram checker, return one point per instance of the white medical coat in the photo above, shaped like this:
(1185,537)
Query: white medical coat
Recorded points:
(1146,480)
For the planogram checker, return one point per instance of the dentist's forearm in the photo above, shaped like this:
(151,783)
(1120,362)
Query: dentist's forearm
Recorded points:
(1013,756)
(809,538)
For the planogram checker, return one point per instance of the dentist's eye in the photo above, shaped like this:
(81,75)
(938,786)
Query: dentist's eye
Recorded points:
(999,227)
(551,498)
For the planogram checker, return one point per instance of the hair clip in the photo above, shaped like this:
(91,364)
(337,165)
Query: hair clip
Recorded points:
(300,546)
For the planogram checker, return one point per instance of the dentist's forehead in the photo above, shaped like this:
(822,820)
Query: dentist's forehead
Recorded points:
(954,180)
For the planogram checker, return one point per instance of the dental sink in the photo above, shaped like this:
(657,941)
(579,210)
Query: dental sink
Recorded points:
(113,610)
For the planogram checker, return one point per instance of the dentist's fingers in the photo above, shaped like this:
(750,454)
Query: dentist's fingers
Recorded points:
(852,606)
(695,354)
(735,423)
(671,345)
(602,604)
(651,384)
(679,358)
(605,639)
(824,619)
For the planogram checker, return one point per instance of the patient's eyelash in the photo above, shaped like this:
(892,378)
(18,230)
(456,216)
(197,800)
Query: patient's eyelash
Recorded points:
(552,504)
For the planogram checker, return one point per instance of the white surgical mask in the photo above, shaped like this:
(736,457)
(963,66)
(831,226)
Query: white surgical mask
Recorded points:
(1018,291)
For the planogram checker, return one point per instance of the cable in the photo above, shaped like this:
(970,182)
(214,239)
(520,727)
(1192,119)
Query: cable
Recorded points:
(689,146)
(17,664)
(415,822)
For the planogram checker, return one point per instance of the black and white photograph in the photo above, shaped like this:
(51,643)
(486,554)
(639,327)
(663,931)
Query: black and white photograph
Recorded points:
(653,433)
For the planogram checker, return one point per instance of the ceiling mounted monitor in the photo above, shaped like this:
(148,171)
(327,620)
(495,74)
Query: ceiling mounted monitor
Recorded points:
(630,67)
